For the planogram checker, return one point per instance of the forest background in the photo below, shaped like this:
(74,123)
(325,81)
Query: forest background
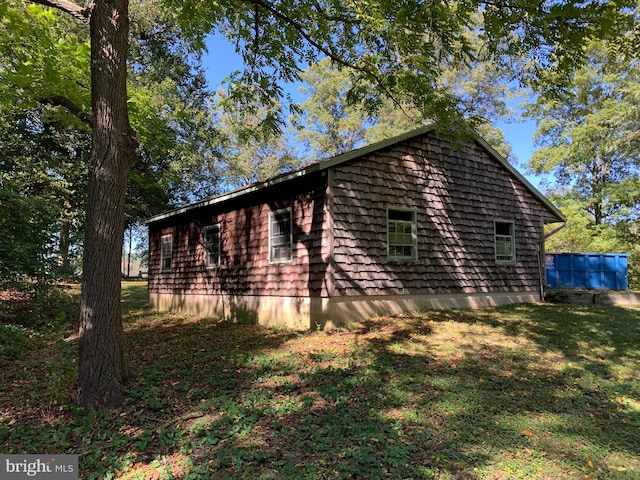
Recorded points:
(200,137)
(106,118)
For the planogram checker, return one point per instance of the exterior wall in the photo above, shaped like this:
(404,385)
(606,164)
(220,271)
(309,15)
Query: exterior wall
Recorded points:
(457,194)
(358,308)
(295,312)
(340,270)
(244,269)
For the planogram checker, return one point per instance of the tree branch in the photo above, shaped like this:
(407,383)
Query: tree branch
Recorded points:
(303,33)
(256,33)
(60,101)
(326,50)
(335,18)
(73,9)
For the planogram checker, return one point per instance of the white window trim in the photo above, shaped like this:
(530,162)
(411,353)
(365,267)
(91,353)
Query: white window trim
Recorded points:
(414,233)
(162,253)
(271,219)
(511,238)
(207,258)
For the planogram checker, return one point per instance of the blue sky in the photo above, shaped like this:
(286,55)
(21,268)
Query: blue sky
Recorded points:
(221,60)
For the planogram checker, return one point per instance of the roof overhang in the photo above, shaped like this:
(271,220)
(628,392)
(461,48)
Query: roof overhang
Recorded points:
(345,157)
(513,171)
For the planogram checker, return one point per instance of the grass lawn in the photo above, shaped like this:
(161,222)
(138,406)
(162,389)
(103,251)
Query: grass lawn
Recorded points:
(526,391)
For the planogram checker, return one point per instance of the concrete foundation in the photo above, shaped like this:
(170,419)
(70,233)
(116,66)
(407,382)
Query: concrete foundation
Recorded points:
(319,312)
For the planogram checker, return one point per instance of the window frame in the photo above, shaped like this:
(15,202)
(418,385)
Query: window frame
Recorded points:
(273,217)
(163,252)
(413,223)
(208,244)
(499,257)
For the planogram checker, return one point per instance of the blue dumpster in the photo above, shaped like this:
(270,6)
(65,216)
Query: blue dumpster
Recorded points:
(594,271)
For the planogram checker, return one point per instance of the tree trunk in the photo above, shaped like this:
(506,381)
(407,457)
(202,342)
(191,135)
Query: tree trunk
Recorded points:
(102,368)
(65,230)
(129,253)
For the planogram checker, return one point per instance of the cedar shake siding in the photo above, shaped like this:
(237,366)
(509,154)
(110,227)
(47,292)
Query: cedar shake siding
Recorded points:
(244,270)
(448,198)
(457,196)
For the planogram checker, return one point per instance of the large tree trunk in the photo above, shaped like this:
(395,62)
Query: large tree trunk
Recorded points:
(102,369)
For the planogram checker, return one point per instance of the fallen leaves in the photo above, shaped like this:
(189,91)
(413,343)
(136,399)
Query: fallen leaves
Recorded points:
(392,398)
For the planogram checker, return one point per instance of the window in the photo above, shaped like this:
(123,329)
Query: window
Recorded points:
(212,246)
(280,237)
(166,246)
(505,242)
(402,240)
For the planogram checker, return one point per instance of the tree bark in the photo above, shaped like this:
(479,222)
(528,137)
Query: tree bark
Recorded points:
(65,230)
(102,370)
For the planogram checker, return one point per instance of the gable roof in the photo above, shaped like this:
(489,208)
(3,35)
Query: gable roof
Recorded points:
(354,154)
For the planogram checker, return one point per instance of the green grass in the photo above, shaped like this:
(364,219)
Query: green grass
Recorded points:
(526,391)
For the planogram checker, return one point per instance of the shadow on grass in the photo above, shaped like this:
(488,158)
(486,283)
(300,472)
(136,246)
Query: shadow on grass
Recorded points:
(395,405)
(573,330)
(499,393)
(135,296)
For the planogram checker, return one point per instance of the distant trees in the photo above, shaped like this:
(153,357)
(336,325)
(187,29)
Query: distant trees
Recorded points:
(250,152)
(39,158)
(395,50)
(588,137)
(44,148)
(329,124)
(589,146)
(45,131)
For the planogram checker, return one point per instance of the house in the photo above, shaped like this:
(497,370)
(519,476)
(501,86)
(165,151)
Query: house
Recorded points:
(411,223)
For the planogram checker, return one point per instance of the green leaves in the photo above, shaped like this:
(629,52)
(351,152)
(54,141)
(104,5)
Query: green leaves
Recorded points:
(587,134)
(398,48)
(44,57)
(394,47)
(44,106)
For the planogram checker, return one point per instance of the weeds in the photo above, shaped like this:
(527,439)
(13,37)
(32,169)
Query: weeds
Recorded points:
(527,391)
(60,372)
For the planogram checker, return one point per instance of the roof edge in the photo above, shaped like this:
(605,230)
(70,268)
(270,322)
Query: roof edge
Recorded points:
(345,157)
(521,178)
(228,196)
(314,167)
(374,147)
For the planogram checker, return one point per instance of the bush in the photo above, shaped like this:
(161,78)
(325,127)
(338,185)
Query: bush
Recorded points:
(15,341)
(40,306)
(52,307)
(634,268)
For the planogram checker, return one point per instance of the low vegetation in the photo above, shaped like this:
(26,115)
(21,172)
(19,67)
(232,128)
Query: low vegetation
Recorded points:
(526,391)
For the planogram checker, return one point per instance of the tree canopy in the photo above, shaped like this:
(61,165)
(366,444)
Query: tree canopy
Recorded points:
(588,135)
(47,121)
(588,147)
(394,50)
